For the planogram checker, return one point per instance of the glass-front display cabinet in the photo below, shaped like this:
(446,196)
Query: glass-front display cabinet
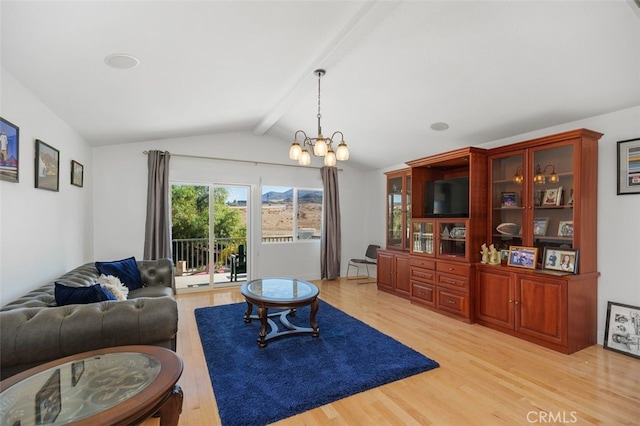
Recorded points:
(444,238)
(532,198)
(398,209)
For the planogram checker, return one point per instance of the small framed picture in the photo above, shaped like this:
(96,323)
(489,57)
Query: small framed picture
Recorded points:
(622,331)
(565,228)
(509,199)
(49,400)
(552,197)
(538,197)
(563,260)
(77,174)
(504,256)
(47,167)
(9,147)
(77,368)
(629,167)
(570,202)
(524,257)
(540,226)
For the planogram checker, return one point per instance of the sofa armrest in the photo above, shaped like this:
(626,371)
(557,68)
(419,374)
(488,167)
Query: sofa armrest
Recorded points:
(159,272)
(33,336)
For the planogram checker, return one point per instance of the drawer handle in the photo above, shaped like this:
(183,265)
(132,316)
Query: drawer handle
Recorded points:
(451,269)
(451,302)
(451,282)
(422,293)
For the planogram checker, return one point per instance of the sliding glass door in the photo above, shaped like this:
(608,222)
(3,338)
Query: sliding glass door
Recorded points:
(209,235)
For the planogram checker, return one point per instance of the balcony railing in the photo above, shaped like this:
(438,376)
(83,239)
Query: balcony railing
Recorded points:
(197,255)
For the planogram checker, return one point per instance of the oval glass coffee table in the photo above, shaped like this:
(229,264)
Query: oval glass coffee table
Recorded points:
(285,294)
(119,385)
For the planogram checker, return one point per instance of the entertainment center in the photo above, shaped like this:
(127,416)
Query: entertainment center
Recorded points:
(537,197)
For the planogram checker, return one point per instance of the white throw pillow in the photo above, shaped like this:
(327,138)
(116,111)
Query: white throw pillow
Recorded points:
(114,286)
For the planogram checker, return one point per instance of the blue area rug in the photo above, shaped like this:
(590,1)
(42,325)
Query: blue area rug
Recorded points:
(296,373)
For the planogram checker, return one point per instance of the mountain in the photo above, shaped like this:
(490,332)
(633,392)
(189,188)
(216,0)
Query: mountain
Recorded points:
(304,196)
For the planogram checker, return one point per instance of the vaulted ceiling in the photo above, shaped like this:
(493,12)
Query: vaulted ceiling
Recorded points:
(490,69)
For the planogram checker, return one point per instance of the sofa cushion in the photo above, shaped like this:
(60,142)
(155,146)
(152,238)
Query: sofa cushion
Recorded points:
(126,270)
(81,295)
(155,291)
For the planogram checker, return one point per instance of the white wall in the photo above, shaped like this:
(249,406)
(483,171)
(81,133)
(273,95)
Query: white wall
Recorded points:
(42,233)
(618,215)
(120,196)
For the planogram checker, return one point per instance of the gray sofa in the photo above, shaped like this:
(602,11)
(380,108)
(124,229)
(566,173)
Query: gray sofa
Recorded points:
(34,330)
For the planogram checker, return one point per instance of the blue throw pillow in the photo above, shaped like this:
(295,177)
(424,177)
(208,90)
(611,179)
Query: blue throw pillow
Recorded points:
(66,295)
(126,270)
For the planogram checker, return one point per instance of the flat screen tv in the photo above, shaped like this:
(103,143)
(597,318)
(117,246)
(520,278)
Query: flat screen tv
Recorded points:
(447,198)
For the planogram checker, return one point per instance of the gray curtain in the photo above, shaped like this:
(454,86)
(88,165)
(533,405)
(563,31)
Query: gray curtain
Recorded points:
(330,241)
(157,235)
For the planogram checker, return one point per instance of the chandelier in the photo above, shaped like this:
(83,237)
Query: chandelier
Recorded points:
(320,145)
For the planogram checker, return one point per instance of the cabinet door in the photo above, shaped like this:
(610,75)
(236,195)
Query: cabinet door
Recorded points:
(552,186)
(403,272)
(508,199)
(542,307)
(495,299)
(395,212)
(385,270)
(423,237)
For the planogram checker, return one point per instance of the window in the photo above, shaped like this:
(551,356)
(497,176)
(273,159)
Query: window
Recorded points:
(291,214)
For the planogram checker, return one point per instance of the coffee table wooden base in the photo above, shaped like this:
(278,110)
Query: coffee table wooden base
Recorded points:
(265,319)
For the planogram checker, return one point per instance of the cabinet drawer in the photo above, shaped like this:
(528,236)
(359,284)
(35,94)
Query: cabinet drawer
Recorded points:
(452,301)
(424,275)
(454,268)
(423,263)
(423,293)
(452,281)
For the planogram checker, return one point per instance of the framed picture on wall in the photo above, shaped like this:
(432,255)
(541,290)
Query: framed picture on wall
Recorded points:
(77,173)
(47,167)
(9,151)
(622,331)
(629,167)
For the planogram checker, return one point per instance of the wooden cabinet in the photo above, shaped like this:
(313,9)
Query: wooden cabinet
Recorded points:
(393,272)
(543,194)
(443,248)
(559,312)
(398,209)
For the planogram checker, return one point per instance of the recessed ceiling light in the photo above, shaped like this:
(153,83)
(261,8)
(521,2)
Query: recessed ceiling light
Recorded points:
(439,126)
(122,61)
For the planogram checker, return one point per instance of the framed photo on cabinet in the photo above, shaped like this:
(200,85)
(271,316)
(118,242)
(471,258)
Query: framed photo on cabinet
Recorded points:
(565,228)
(540,226)
(563,260)
(622,332)
(552,197)
(9,150)
(47,167)
(509,199)
(524,257)
(629,167)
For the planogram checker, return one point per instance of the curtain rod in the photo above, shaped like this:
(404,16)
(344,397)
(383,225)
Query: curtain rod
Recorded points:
(239,161)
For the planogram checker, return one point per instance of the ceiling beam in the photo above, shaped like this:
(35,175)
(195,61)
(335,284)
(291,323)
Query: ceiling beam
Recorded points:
(359,26)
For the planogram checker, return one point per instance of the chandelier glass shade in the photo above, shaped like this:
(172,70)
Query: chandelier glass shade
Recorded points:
(320,145)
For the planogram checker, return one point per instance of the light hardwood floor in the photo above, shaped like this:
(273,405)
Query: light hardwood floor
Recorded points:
(485,377)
